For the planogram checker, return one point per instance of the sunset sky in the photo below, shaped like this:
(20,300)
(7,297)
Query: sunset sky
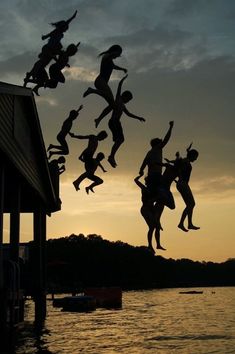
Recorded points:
(180,56)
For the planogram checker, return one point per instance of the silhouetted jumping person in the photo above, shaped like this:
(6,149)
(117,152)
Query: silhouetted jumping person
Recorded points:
(53,46)
(93,141)
(185,169)
(38,73)
(114,123)
(63,148)
(91,165)
(107,66)
(162,194)
(153,160)
(49,51)
(150,215)
(56,167)
(55,70)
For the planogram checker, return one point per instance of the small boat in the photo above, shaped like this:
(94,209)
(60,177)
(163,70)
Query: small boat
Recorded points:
(80,303)
(191,292)
(107,297)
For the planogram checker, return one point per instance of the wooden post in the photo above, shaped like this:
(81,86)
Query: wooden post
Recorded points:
(43,246)
(2,291)
(39,266)
(15,225)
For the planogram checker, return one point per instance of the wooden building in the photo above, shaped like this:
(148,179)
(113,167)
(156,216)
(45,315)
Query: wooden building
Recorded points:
(25,187)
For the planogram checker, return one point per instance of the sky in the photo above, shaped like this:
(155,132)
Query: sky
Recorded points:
(180,56)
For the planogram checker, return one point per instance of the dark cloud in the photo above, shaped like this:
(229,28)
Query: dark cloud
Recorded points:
(191,8)
(182,8)
(18,64)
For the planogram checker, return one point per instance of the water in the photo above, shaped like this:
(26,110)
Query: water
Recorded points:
(155,321)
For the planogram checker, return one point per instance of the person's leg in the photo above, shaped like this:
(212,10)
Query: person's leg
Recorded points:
(51,83)
(191,205)
(96,181)
(182,188)
(77,182)
(118,139)
(36,88)
(157,238)
(55,77)
(63,143)
(40,77)
(149,219)
(62,149)
(102,89)
(181,223)
(115,147)
(104,113)
(158,210)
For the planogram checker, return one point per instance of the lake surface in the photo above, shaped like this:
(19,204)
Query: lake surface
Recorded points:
(153,321)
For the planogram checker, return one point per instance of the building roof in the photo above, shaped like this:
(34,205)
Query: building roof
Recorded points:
(23,150)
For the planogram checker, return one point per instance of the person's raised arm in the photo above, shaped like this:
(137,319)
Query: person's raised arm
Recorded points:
(105,112)
(80,108)
(72,17)
(119,89)
(168,134)
(189,147)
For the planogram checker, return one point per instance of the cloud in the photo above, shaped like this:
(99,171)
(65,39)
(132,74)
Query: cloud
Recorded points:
(48,100)
(164,46)
(81,74)
(218,188)
(117,195)
(182,8)
(17,64)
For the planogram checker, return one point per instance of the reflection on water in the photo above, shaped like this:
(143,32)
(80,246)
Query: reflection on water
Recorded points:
(156,321)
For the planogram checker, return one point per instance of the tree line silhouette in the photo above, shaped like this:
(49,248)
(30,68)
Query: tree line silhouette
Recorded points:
(75,262)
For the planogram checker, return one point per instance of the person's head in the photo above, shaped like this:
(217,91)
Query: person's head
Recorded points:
(155,142)
(192,155)
(102,135)
(73,114)
(72,49)
(114,51)
(100,156)
(61,159)
(61,25)
(126,96)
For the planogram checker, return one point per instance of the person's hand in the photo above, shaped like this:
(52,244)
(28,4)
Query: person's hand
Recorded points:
(97,122)
(81,107)
(72,134)
(141,119)
(125,71)
(171,123)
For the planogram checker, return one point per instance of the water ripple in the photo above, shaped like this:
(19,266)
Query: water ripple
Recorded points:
(156,321)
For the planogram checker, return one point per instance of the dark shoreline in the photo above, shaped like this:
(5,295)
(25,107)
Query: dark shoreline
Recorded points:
(75,262)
